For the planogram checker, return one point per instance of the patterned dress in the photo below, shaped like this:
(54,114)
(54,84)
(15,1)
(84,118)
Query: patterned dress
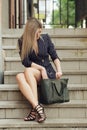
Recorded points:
(45,50)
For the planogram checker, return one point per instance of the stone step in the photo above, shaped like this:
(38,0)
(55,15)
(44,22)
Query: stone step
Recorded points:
(11,51)
(75,77)
(57,47)
(71,37)
(49,124)
(61,32)
(14,63)
(72,53)
(55,124)
(19,109)
(63,51)
(11,92)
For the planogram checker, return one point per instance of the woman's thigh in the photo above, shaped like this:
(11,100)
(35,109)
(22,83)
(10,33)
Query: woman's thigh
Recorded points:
(32,71)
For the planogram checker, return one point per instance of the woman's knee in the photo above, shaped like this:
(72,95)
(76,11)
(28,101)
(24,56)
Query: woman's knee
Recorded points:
(19,76)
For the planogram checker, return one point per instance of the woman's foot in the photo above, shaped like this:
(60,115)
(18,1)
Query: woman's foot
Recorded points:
(41,114)
(31,116)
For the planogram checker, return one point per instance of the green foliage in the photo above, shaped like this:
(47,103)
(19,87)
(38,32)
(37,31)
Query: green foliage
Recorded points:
(65,14)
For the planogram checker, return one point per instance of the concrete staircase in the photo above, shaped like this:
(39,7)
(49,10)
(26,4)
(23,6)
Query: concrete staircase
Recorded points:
(71,45)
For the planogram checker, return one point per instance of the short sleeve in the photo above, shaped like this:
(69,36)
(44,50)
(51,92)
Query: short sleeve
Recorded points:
(51,49)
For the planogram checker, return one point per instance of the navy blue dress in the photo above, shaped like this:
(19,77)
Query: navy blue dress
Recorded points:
(45,49)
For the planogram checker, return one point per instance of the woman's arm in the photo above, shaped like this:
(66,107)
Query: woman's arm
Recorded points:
(52,52)
(58,68)
(41,69)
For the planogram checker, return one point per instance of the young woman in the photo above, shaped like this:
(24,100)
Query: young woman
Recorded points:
(35,49)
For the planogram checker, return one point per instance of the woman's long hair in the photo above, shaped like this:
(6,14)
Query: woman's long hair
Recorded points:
(29,36)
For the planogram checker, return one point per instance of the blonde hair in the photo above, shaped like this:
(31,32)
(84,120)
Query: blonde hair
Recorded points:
(29,36)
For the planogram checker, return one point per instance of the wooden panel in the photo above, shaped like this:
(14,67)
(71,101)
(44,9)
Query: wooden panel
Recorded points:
(12,13)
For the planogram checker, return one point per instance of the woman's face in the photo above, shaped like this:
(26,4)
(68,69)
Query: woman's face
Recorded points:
(38,33)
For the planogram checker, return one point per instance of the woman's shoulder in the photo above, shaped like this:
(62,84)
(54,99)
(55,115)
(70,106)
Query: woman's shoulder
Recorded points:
(45,36)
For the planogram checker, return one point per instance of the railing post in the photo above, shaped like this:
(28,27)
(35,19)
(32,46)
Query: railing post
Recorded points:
(20,14)
(30,8)
(12,14)
(1,57)
(86,22)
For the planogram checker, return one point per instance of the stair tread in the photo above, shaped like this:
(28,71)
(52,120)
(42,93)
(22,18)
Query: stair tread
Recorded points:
(48,123)
(76,72)
(67,47)
(24,104)
(52,32)
(10,87)
(59,47)
(6,47)
(62,59)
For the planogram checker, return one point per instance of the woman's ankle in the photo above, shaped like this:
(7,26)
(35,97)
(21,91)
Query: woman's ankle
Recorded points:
(34,105)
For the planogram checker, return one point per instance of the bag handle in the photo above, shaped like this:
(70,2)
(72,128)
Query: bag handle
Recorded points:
(54,85)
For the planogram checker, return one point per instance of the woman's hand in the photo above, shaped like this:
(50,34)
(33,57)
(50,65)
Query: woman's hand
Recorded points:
(44,73)
(58,68)
(58,75)
(41,69)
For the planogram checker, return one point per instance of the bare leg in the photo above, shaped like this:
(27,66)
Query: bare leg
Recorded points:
(28,85)
(26,89)
(33,76)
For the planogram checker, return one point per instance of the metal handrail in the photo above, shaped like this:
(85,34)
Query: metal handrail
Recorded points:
(52,13)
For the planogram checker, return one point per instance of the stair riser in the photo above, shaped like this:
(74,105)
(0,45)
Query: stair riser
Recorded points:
(70,42)
(58,41)
(11,53)
(11,96)
(66,65)
(14,66)
(17,96)
(78,79)
(72,53)
(61,53)
(9,41)
(68,112)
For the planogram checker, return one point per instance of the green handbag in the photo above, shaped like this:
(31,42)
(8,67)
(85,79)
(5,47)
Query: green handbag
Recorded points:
(53,91)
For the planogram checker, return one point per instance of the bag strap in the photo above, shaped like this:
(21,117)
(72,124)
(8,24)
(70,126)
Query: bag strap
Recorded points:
(58,91)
